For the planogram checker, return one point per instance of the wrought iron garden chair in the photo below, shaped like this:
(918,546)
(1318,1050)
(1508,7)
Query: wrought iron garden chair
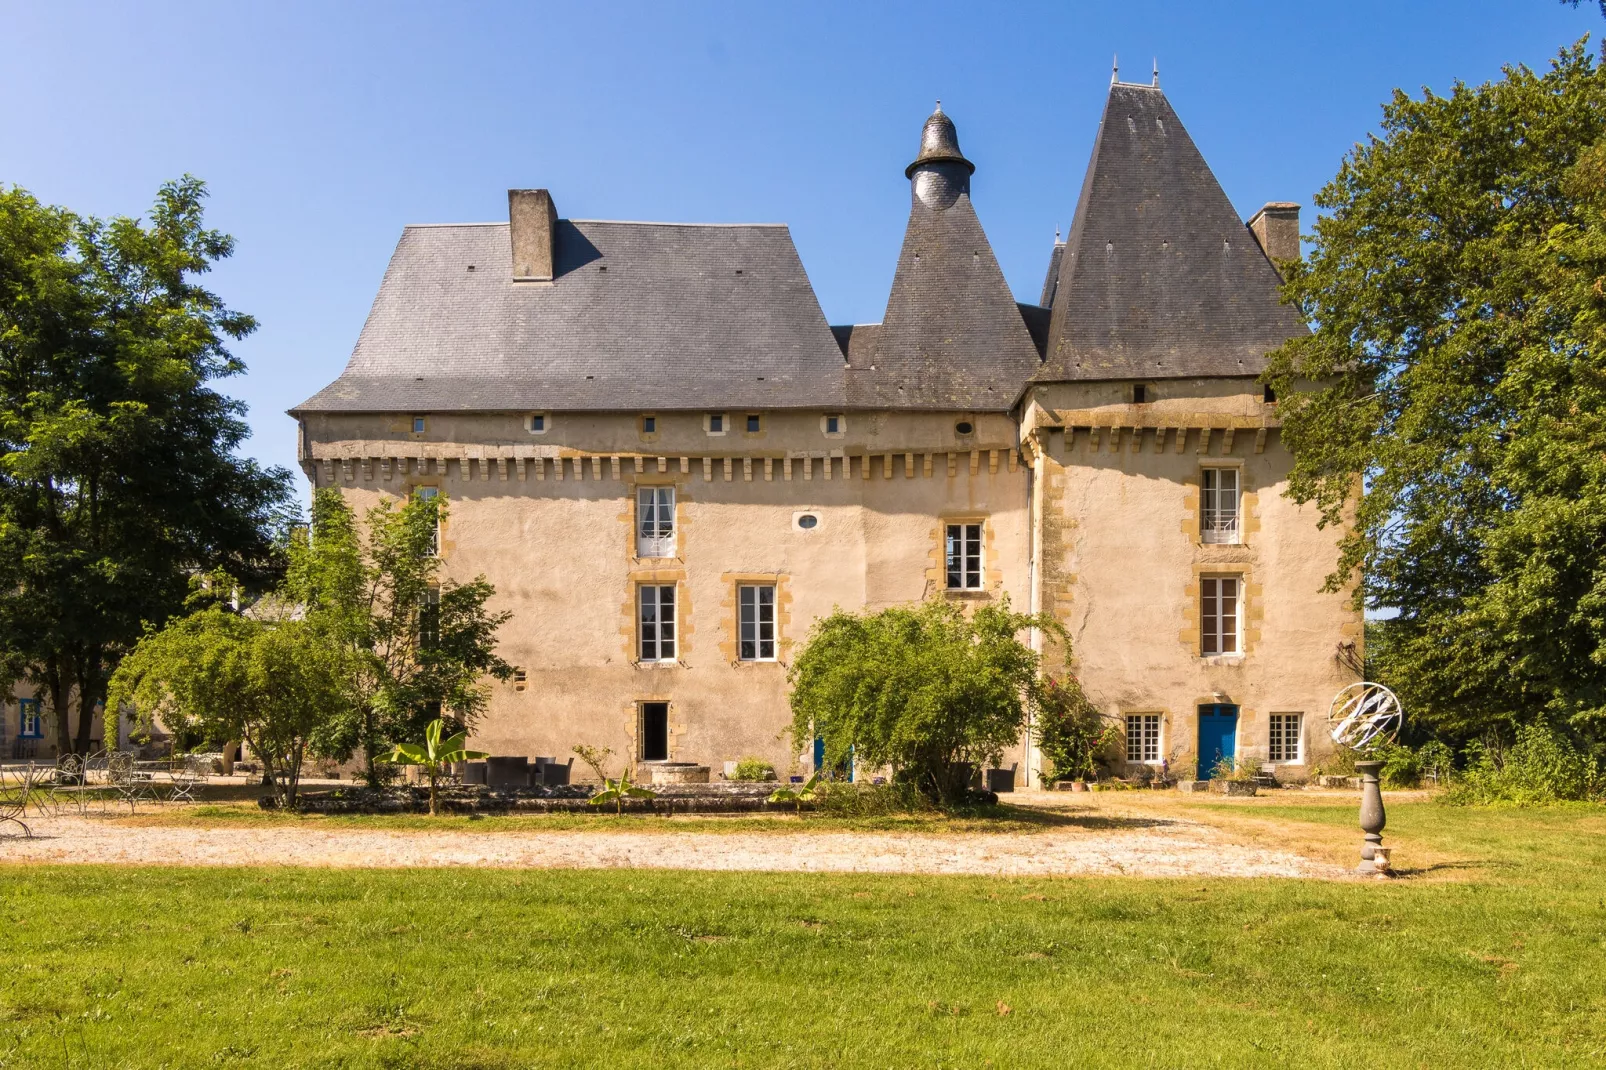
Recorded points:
(131,783)
(15,787)
(189,776)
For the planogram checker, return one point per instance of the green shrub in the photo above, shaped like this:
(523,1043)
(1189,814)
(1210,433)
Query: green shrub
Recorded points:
(1070,730)
(1542,766)
(1242,769)
(754,769)
(841,798)
(1402,768)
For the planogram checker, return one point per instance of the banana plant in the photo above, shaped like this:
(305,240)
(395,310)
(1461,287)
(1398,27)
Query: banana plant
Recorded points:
(434,755)
(799,795)
(617,791)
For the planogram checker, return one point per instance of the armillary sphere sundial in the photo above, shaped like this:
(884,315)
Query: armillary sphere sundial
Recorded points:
(1362,716)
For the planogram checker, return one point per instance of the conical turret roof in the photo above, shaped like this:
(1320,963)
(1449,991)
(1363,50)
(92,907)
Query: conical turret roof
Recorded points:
(1159,277)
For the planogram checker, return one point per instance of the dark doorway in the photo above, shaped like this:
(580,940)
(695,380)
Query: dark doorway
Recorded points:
(655,731)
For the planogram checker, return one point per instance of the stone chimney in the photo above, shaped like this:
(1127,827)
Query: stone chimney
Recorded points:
(1276,228)
(533,225)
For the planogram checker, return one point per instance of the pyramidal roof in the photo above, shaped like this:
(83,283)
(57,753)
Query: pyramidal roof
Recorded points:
(953,336)
(1159,277)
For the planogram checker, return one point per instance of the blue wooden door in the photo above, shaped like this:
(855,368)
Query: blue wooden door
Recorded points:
(1218,736)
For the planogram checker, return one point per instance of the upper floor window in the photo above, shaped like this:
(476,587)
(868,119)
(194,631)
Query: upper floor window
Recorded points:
(1143,737)
(657,621)
(756,622)
(418,425)
(649,425)
(429,619)
(1268,395)
(432,494)
(754,423)
(538,423)
(833,425)
(1140,394)
(1284,744)
(1218,615)
(1219,517)
(655,521)
(716,423)
(964,556)
(32,725)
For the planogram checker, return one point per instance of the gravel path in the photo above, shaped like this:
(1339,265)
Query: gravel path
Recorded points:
(1171,849)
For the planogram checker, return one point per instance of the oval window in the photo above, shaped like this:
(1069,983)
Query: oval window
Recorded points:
(964,427)
(807,521)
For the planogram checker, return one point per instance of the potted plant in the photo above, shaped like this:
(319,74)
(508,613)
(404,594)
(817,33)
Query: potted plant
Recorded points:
(1235,777)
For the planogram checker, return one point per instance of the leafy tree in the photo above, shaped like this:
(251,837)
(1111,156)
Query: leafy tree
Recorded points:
(1070,730)
(434,755)
(268,676)
(1451,402)
(920,689)
(420,646)
(118,473)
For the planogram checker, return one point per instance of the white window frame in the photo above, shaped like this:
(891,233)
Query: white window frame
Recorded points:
(655,628)
(420,425)
(755,622)
(1221,608)
(1221,505)
(655,521)
(432,493)
(1143,745)
(969,537)
(1285,728)
(724,423)
(545,419)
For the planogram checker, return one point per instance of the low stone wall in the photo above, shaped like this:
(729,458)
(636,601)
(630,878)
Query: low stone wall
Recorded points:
(738,798)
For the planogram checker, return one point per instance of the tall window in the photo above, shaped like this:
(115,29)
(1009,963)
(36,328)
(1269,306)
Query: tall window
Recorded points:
(432,494)
(1143,737)
(657,602)
(1218,615)
(1219,523)
(32,725)
(756,622)
(655,522)
(1285,737)
(429,619)
(964,556)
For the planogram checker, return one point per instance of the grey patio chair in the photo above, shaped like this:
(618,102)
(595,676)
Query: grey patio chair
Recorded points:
(15,787)
(189,776)
(130,782)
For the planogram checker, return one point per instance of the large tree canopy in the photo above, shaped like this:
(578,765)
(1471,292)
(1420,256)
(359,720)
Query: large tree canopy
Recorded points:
(1458,286)
(119,478)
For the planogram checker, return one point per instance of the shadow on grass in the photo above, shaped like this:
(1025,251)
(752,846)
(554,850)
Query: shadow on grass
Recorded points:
(1068,817)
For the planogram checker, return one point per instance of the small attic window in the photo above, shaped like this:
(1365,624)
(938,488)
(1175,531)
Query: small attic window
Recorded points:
(520,679)
(418,425)
(964,427)
(1268,395)
(1140,394)
(471,267)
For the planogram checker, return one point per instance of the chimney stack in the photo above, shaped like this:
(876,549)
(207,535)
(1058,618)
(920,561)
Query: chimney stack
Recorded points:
(1276,228)
(533,225)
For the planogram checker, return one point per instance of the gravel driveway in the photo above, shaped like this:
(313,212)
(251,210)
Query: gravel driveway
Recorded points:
(1169,849)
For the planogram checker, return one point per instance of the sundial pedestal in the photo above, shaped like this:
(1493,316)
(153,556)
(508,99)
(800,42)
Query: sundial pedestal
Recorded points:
(1372,817)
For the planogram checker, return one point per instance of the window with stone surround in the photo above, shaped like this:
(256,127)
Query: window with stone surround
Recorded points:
(964,556)
(1143,737)
(1218,615)
(1218,516)
(655,521)
(656,602)
(432,494)
(1286,737)
(755,607)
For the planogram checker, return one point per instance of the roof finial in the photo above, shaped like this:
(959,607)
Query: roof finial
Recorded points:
(1115,68)
(939,107)
(1056,233)
(1156,82)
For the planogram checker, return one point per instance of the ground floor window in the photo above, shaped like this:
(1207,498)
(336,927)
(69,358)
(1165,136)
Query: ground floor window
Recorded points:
(1285,737)
(654,733)
(32,725)
(1143,737)
(756,606)
(657,615)
(1218,615)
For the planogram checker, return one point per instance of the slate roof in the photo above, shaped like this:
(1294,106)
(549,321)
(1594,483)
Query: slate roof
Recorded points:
(953,336)
(1159,277)
(639,316)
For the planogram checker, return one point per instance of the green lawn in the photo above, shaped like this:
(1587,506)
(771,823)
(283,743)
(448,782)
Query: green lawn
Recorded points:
(1492,958)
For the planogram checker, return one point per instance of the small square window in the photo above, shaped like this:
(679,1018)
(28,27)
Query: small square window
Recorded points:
(833,425)
(716,423)
(1268,395)
(1140,394)
(418,425)
(753,422)
(649,425)
(538,423)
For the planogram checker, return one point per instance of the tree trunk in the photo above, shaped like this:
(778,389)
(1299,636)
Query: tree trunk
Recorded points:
(91,692)
(59,683)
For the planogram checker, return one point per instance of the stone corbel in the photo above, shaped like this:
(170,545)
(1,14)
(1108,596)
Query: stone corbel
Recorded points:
(1260,440)
(1204,440)
(1181,440)
(1226,440)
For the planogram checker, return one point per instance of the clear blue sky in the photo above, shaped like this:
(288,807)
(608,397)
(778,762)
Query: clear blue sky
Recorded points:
(323,128)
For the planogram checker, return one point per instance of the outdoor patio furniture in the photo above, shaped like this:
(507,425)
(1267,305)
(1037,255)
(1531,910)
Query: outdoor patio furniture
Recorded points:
(1002,780)
(129,781)
(190,776)
(554,775)
(503,772)
(16,784)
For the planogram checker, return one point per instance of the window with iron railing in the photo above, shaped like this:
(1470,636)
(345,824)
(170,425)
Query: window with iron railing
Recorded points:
(1218,519)
(655,522)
